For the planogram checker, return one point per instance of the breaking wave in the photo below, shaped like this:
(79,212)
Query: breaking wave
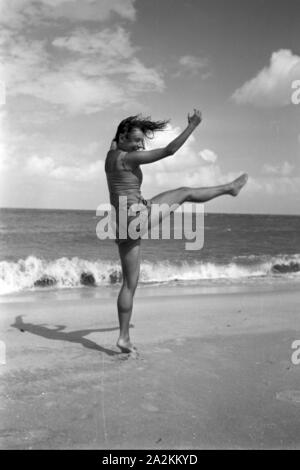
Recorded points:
(35,273)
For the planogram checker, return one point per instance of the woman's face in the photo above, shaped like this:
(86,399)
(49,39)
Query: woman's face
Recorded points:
(133,141)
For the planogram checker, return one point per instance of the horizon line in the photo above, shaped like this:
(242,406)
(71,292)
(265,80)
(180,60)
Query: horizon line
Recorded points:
(94,210)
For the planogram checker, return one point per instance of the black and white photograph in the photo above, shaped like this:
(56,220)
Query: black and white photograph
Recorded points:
(149,227)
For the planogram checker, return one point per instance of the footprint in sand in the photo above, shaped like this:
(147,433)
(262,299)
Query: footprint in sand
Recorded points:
(292,396)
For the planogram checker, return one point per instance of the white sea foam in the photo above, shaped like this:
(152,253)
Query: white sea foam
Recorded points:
(33,272)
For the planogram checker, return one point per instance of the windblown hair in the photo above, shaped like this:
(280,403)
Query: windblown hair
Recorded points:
(145,124)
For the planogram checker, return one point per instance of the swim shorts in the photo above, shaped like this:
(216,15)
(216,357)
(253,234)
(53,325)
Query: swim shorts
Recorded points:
(143,214)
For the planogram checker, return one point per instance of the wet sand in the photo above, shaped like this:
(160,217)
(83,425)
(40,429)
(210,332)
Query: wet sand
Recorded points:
(213,372)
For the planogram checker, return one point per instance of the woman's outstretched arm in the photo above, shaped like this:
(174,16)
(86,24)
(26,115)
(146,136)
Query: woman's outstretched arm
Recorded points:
(149,156)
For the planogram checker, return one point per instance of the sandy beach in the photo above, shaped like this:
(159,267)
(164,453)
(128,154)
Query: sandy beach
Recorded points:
(213,372)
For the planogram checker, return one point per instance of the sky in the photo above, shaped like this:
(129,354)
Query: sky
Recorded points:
(71,70)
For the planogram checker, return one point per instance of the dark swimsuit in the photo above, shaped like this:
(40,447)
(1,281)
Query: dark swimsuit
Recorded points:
(125,182)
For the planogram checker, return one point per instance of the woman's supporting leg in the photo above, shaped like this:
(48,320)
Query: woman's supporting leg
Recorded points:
(130,261)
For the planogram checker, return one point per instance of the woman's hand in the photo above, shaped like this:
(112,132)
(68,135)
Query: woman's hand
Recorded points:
(195,119)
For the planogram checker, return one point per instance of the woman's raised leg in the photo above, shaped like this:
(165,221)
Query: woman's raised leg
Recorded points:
(176,197)
(200,195)
(130,261)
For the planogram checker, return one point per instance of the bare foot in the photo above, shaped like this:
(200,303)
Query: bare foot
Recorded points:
(126,346)
(238,184)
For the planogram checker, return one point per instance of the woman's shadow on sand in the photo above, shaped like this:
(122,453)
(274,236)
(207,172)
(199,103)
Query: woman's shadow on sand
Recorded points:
(57,334)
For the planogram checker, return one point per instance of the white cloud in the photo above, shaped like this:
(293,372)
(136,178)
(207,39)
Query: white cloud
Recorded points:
(97,70)
(23,154)
(193,65)
(191,62)
(74,93)
(278,180)
(46,167)
(108,43)
(38,166)
(272,86)
(285,169)
(142,78)
(19,13)
(208,155)
(276,185)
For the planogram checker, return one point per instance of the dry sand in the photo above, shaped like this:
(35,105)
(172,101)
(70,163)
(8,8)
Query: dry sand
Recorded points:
(213,371)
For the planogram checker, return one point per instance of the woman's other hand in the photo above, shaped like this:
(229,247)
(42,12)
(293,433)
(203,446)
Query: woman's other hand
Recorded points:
(195,119)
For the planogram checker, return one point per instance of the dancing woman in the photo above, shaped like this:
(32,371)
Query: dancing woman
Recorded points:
(124,178)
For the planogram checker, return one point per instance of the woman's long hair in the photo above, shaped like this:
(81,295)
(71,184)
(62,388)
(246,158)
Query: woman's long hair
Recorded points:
(145,124)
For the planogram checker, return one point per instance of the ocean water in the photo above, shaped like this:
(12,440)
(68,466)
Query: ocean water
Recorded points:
(57,249)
